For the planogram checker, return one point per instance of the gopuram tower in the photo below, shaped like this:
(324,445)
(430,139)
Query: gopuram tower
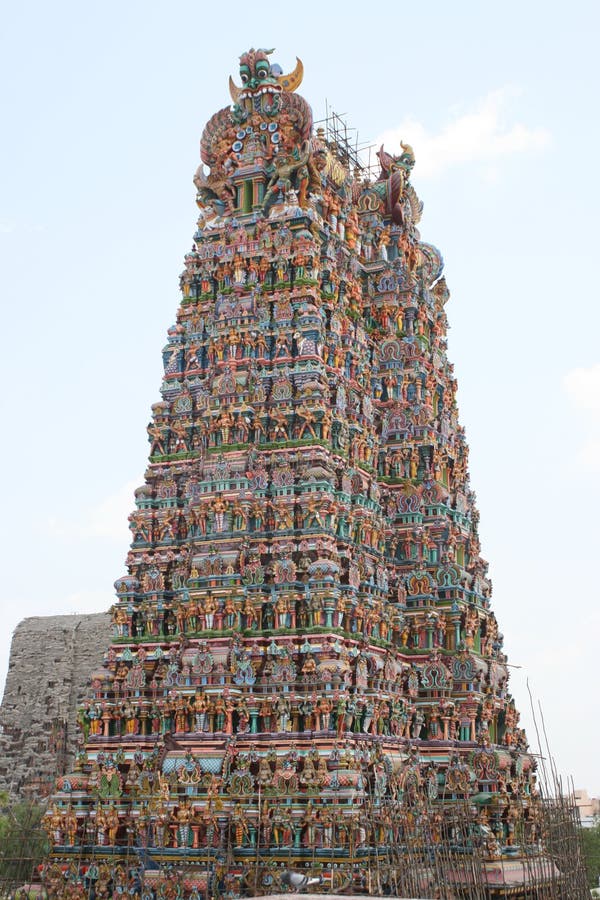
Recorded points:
(306,685)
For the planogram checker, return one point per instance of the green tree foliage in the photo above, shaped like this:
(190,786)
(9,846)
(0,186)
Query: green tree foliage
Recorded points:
(590,839)
(23,842)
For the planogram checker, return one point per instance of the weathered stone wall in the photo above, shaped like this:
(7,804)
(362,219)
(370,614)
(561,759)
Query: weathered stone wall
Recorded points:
(51,661)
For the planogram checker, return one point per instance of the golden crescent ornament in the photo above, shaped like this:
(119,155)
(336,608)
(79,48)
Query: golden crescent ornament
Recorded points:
(292,81)
(234,90)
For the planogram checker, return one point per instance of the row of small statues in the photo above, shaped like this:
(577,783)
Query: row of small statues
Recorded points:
(283,423)
(322,509)
(360,714)
(324,825)
(375,619)
(219,514)
(212,613)
(187,826)
(288,342)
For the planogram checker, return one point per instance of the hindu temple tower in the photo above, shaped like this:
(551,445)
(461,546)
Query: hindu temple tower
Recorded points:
(305,673)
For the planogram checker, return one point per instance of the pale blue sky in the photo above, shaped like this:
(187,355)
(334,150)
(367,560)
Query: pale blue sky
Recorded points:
(102,110)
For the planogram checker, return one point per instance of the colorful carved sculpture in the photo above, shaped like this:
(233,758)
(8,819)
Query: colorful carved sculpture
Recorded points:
(305,667)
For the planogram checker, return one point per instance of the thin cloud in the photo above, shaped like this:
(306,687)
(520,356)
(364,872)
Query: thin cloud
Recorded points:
(483,135)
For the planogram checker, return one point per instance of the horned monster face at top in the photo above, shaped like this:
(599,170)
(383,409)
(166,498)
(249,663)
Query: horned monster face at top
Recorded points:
(258,76)
(255,69)
(267,119)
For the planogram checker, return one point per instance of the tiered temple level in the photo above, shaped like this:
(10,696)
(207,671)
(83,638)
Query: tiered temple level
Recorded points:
(305,671)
